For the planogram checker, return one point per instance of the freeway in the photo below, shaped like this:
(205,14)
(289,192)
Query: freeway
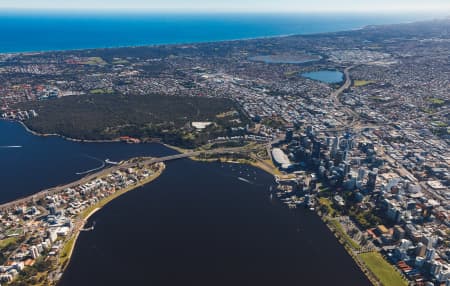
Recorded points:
(335,94)
(125,165)
(335,97)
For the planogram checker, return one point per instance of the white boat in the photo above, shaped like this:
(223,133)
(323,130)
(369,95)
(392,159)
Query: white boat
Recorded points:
(107,161)
(245,180)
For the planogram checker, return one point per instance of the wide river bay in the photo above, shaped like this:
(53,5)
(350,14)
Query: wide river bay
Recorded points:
(197,224)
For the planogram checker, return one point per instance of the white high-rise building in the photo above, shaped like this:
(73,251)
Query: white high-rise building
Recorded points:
(34,252)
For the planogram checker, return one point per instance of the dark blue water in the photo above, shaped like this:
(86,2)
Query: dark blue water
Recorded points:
(197,224)
(43,162)
(39,31)
(325,76)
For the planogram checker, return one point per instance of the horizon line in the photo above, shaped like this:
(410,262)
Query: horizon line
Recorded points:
(398,10)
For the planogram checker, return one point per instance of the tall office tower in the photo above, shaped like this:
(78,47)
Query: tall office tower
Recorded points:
(316,149)
(361,174)
(334,147)
(372,179)
(289,135)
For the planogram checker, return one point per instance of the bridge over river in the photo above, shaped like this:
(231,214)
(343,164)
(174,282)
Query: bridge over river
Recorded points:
(127,164)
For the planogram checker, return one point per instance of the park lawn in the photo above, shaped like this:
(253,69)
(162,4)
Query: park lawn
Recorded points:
(437,101)
(94,61)
(328,204)
(291,73)
(384,271)
(273,168)
(4,243)
(226,114)
(362,82)
(66,250)
(439,124)
(101,91)
(343,234)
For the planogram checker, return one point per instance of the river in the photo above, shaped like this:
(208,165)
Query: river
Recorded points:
(197,224)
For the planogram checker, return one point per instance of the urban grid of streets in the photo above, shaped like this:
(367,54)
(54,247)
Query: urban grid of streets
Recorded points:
(372,154)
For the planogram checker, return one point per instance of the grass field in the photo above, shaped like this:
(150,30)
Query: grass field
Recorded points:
(66,250)
(439,124)
(100,91)
(328,205)
(226,114)
(13,232)
(384,271)
(4,243)
(437,101)
(95,61)
(268,166)
(358,83)
(348,240)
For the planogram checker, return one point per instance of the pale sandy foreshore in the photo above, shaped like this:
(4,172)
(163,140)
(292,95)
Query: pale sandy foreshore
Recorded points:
(62,136)
(28,129)
(178,149)
(84,218)
(78,233)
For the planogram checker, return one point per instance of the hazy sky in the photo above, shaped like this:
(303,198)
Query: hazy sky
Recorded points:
(235,5)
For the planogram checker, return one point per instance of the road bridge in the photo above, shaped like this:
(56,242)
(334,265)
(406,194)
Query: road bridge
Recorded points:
(146,161)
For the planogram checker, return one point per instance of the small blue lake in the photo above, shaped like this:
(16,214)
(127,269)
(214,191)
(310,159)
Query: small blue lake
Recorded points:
(325,76)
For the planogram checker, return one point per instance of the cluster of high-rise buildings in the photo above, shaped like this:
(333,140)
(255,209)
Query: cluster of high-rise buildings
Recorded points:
(409,219)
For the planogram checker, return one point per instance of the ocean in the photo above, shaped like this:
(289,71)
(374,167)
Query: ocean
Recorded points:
(44,31)
(199,223)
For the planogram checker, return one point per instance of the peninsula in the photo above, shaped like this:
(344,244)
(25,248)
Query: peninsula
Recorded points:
(368,153)
(50,221)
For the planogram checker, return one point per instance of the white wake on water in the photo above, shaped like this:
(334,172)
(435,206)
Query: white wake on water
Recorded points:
(11,146)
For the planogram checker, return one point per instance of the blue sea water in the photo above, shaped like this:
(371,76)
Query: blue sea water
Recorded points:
(43,31)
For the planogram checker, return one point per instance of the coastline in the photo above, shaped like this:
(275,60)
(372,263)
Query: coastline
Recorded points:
(257,163)
(65,256)
(247,154)
(62,136)
(67,244)
(35,133)
(32,52)
(419,17)
(75,239)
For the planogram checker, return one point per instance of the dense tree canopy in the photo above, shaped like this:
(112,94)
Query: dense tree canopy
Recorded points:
(109,116)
